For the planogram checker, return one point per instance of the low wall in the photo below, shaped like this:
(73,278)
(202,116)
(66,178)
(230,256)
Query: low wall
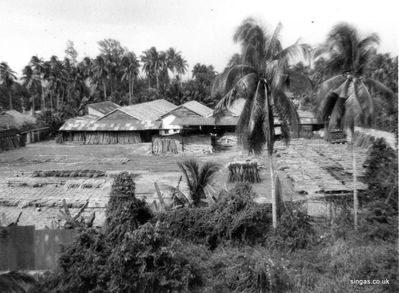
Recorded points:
(24,248)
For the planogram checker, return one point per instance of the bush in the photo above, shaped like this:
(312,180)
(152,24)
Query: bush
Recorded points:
(382,174)
(294,230)
(128,257)
(245,269)
(236,217)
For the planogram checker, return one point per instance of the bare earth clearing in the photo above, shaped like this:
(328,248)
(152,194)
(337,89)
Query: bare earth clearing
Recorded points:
(308,169)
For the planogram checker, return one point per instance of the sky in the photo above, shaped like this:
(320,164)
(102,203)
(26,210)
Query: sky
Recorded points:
(202,29)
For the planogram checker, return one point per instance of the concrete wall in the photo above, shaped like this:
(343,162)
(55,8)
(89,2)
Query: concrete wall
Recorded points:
(24,248)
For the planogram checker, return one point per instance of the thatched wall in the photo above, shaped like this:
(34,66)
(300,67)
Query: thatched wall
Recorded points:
(9,140)
(103,137)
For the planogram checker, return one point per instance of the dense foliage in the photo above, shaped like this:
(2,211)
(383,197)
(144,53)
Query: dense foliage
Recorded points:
(64,87)
(126,257)
(236,218)
(382,174)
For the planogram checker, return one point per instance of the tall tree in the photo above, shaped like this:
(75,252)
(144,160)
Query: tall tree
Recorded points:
(31,82)
(344,99)
(7,79)
(154,63)
(100,73)
(261,79)
(41,70)
(71,52)
(130,70)
(175,62)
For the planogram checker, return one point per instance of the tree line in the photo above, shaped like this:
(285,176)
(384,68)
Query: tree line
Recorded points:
(64,87)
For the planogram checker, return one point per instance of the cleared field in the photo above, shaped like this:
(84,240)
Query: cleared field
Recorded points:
(307,168)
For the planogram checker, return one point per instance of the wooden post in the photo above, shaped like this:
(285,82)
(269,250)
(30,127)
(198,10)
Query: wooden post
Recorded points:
(161,201)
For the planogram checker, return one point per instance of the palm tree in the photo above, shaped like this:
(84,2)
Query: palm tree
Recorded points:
(130,70)
(154,63)
(7,79)
(198,178)
(260,78)
(175,62)
(32,83)
(344,99)
(100,73)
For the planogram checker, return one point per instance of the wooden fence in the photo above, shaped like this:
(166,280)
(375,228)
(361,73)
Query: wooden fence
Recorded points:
(24,248)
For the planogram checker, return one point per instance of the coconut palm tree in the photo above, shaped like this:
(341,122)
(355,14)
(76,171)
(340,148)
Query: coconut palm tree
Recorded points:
(42,71)
(260,78)
(175,62)
(32,83)
(7,79)
(198,178)
(100,73)
(154,63)
(344,99)
(130,70)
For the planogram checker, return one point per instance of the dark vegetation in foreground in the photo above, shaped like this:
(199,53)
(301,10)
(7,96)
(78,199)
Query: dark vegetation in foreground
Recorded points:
(230,246)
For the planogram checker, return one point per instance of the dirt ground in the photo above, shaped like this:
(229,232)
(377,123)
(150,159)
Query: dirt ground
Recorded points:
(20,163)
(308,169)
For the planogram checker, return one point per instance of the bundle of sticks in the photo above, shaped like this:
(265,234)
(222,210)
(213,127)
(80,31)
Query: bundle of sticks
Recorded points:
(9,142)
(164,145)
(244,172)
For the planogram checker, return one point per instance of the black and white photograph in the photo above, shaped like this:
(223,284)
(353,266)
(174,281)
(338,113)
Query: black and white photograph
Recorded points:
(173,146)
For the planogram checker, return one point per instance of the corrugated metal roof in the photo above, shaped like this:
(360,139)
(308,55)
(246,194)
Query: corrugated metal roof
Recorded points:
(104,107)
(149,111)
(206,121)
(198,108)
(304,116)
(114,125)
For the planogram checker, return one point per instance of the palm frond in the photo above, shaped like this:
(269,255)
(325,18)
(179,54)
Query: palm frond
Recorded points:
(285,109)
(329,85)
(227,80)
(271,46)
(256,110)
(208,170)
(387,93)
(295,51)
(242,124)
(244,88)
(353,109)
(268,122)
(326,106)
(342,90)
(366,102)
(182,167)
(337,114)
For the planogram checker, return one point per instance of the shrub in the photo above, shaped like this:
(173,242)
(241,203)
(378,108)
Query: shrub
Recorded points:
(246,269)
(294,230)
(236,217)
(128,257)
(382,174)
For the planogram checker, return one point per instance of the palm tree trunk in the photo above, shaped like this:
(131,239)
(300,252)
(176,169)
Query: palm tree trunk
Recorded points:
(51,102)
(355,199)
(10,96)
(158,82)
(130,90)
(33,104)
(105,91)
(43,104)
(274,199)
